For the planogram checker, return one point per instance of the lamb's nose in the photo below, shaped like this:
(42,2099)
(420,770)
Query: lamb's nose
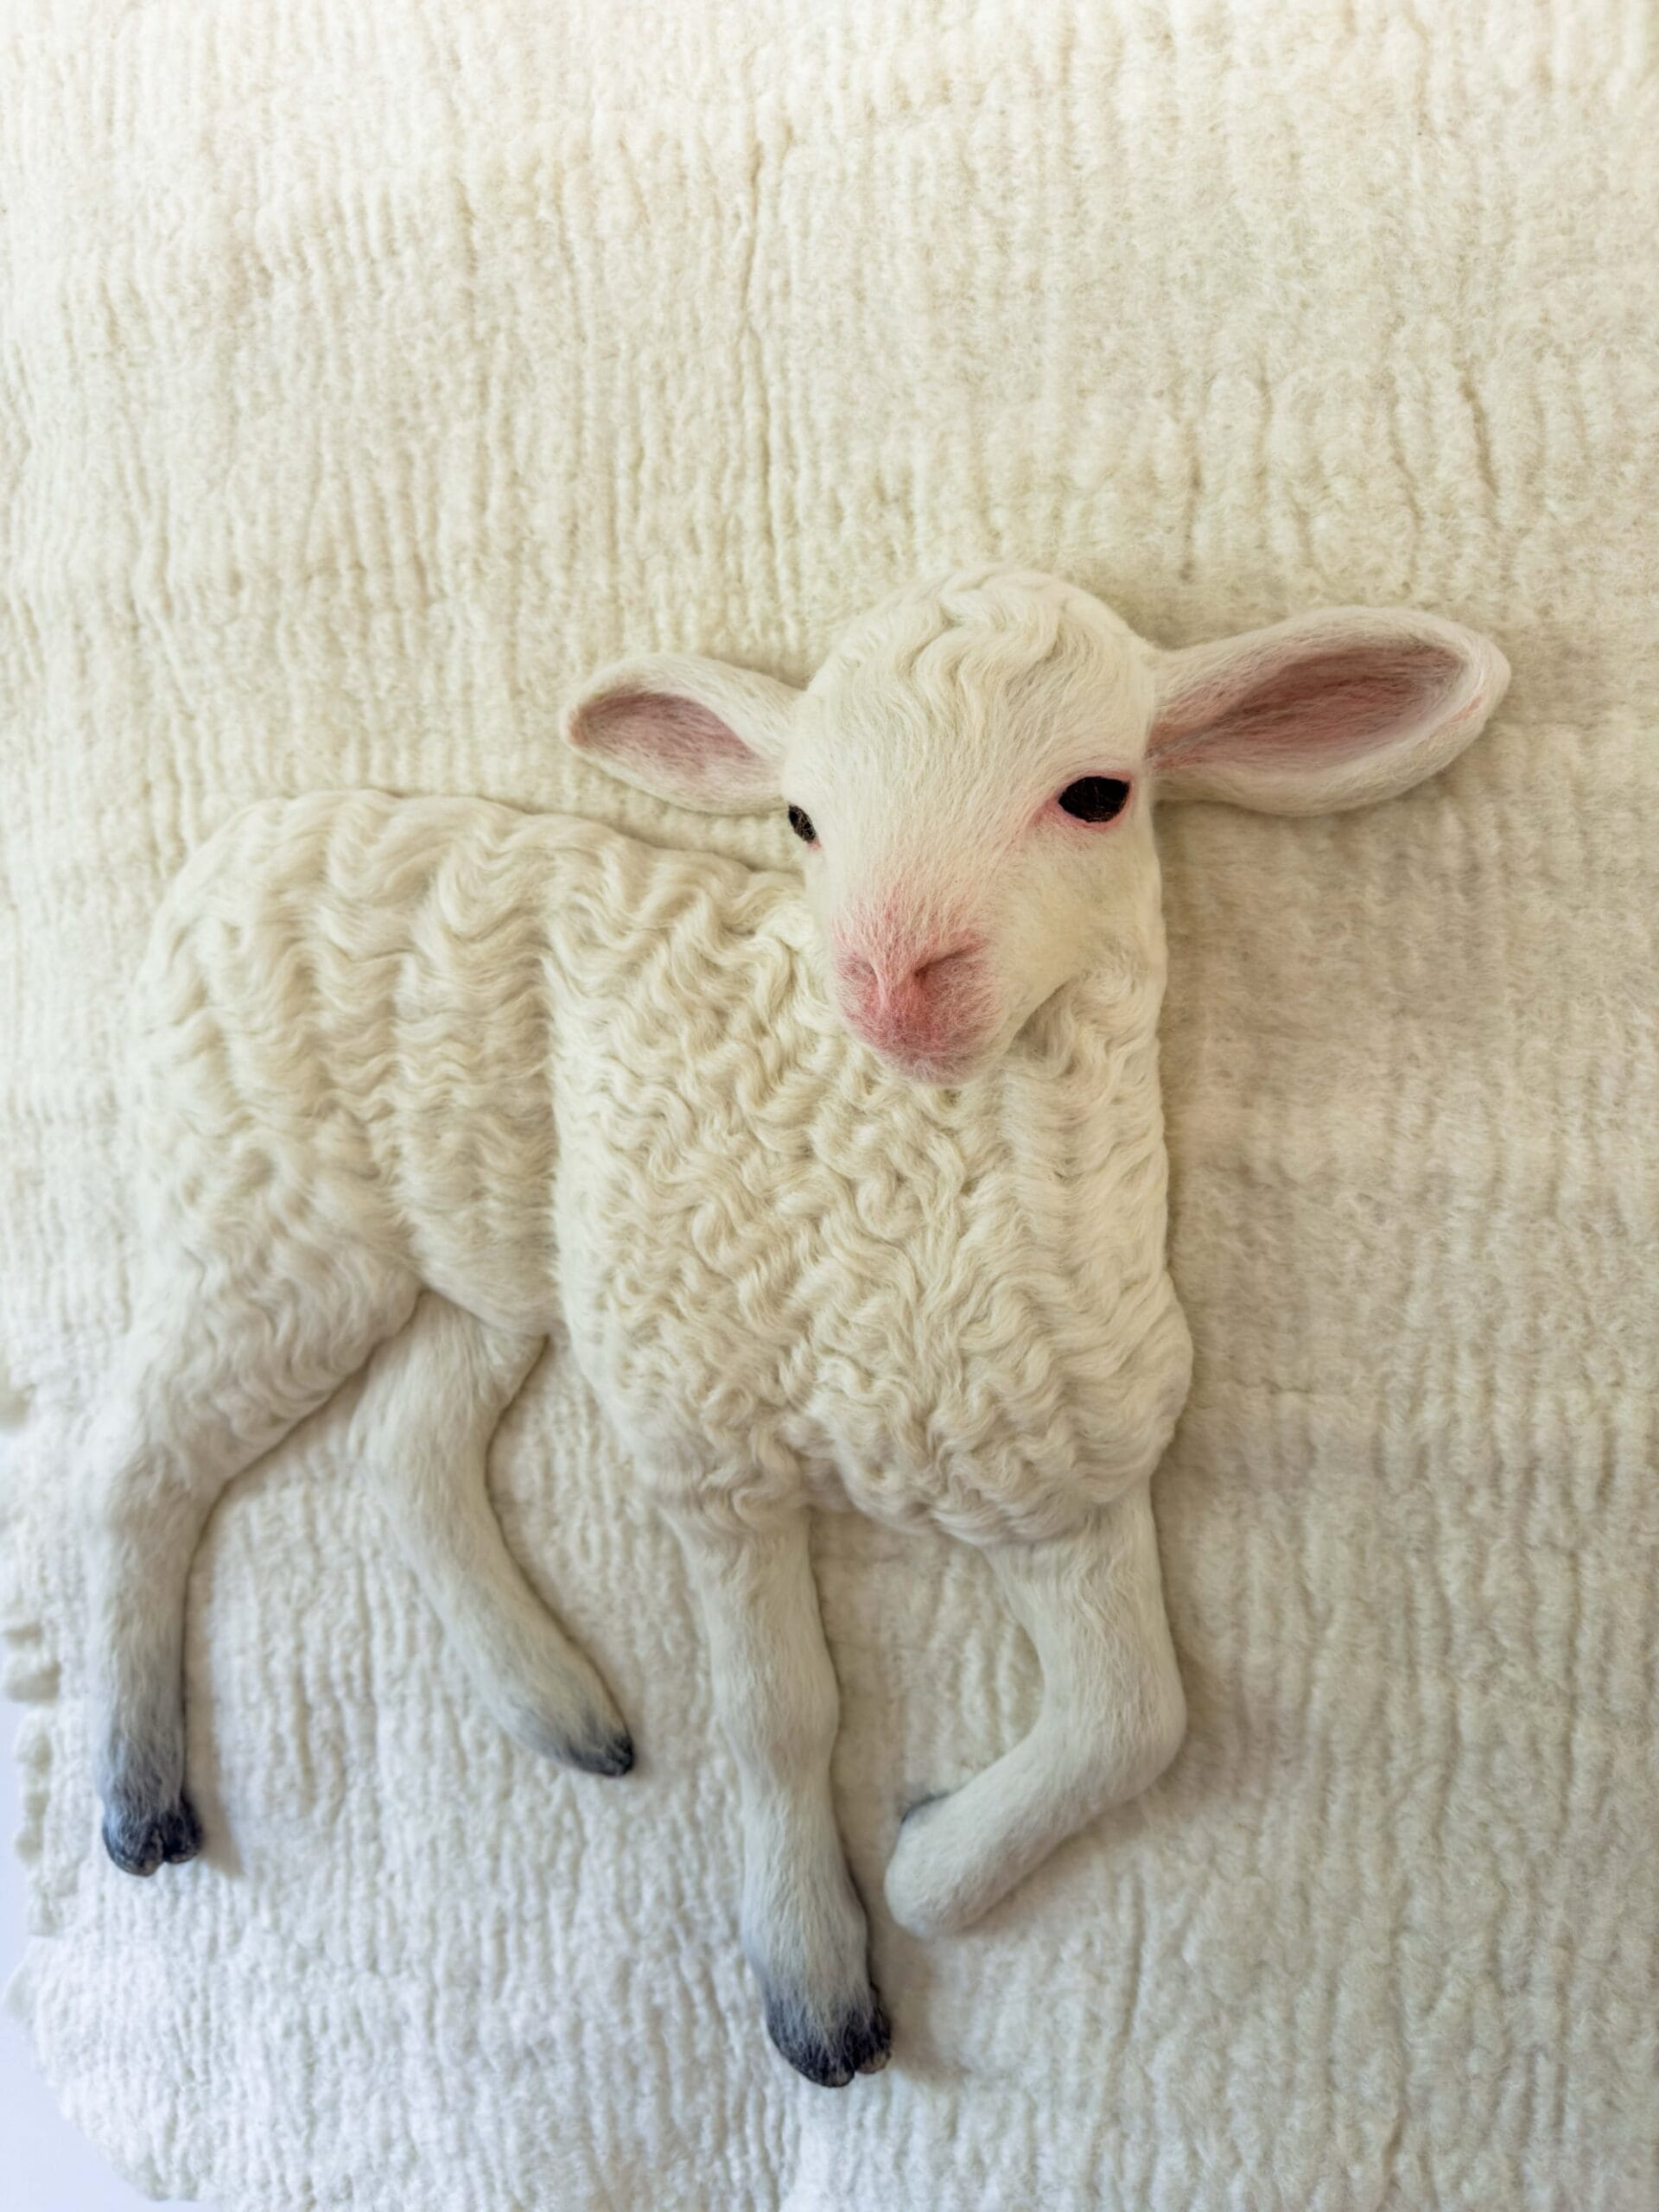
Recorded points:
(933,967)
(907,973)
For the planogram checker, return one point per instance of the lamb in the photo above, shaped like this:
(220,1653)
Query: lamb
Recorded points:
(847,1186)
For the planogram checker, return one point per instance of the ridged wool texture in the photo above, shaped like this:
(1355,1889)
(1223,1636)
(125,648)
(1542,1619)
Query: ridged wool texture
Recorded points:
(366,376)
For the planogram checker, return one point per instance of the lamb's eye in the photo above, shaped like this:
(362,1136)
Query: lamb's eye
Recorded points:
(801,823)
(1094,798)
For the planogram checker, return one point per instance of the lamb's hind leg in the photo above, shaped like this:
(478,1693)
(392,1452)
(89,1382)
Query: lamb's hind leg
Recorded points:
(215,1373)
(432,1399)
(1112,1718)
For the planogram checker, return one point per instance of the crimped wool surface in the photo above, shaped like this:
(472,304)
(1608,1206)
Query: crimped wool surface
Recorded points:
(369,374)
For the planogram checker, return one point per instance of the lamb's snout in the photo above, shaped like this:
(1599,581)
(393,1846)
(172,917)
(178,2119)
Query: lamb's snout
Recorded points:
(923,1004)
(885,976)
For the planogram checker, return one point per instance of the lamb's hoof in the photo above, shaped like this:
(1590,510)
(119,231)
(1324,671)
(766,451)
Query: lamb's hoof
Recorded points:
(140,1841)
(610,1754)
(857,2041)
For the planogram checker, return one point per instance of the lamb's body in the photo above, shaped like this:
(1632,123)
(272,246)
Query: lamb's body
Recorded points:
(564,1078)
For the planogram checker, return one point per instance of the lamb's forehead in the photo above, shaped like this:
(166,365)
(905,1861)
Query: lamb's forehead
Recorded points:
(1010,657)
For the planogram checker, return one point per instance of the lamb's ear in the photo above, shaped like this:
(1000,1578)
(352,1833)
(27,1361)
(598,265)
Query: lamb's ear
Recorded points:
(696,731)
(1331,710)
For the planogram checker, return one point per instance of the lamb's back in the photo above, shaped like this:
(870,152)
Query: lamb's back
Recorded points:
(345,1027)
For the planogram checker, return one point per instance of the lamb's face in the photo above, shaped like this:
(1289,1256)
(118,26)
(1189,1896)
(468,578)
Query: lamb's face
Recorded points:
(970,776)
(965,773)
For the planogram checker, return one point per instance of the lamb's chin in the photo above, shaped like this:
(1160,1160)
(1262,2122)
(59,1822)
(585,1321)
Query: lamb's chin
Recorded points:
(934,1071)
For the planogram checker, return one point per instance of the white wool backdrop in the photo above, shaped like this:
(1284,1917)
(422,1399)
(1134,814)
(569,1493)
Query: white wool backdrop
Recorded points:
(369,374)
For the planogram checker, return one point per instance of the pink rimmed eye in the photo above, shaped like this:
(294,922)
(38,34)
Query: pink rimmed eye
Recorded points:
(1094,798)
(801,822)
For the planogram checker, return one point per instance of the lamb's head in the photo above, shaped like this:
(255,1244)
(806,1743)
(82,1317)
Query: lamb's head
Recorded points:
(970,774)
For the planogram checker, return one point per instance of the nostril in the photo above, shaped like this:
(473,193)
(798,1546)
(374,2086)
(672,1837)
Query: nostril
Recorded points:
(932,970)
(887,979)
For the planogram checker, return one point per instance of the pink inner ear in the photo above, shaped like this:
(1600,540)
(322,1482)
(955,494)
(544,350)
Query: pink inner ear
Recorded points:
(662,730)
(1332,704)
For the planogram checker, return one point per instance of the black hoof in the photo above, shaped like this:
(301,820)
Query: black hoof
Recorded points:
(608,1755)
(830,2054)
(140,1841)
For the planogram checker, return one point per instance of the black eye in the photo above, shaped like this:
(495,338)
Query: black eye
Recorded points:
(1094,798)
(802,825)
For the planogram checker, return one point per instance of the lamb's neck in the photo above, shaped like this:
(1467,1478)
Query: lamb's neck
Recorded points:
(1071,1070)
(1079,1082)
(1082,1131)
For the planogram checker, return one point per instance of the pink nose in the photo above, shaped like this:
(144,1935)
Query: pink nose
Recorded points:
(893,978)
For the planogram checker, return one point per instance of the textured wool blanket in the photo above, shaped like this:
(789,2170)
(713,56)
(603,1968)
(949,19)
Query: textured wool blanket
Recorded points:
(367,375)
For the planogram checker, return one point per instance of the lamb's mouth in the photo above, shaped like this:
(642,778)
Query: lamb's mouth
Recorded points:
(940,1066)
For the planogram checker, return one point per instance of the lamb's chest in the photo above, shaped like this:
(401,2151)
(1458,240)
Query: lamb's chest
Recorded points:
(784,1266)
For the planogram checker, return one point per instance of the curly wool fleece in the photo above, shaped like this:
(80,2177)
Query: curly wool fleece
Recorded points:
(855,1184)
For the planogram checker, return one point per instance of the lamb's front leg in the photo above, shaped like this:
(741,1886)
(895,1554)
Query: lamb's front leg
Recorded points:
(804,1928)
(1112,1718)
